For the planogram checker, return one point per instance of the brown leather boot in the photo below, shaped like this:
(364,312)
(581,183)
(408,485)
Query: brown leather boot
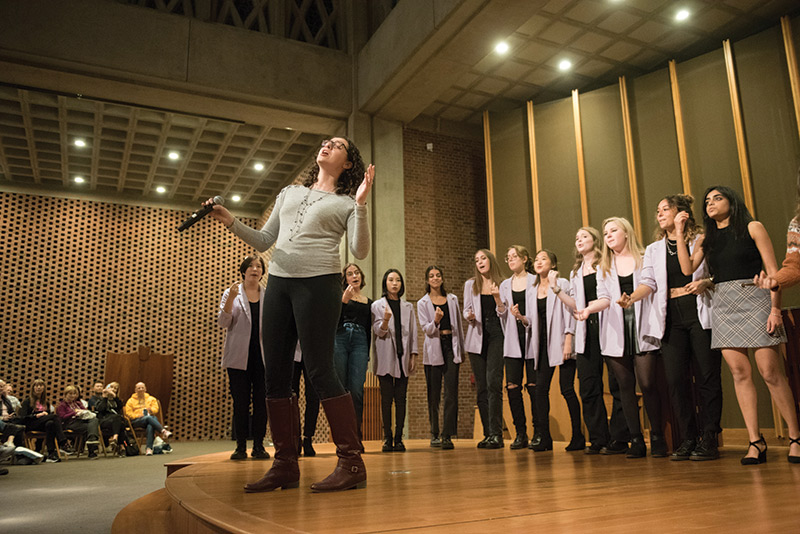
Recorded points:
(350,472)
(284,472)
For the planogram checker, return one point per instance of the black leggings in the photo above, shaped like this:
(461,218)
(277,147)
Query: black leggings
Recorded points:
(304,309)
(488,370)
(51,425)
(628,370)
(434,375)
(312,401)
(393,390)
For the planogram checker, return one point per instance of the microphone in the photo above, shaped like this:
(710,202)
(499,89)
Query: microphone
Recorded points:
(202,212)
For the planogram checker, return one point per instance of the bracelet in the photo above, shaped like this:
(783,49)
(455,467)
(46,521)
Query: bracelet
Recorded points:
(778,315)
(556,292)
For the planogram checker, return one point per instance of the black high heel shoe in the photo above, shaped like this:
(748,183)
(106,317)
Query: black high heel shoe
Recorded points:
(794,459)
(762,454)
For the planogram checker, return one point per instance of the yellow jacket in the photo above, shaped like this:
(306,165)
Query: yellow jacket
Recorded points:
(135,408)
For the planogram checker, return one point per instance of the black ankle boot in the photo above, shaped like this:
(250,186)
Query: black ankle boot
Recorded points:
(541,443)
(577,443)
(658,446)
(707,448)
(520,442)
(637,449)
(388,445)
(241,451)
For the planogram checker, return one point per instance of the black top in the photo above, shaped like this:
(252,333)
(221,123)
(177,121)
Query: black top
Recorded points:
(444,322)
(733,259)
(590,287)
(488,308)
(541,307)
(675,277)
(518,297)
(254,360)
(398,326)
(626,283)
(355,312)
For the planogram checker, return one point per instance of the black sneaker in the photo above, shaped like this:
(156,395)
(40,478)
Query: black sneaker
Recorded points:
(436,442)
(53,459)
(447,444)
(398,446)
(239,454)
(259,453)
(388,446)
(684,450)
(93,455)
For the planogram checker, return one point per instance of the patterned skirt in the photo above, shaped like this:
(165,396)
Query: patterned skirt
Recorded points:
(739,317)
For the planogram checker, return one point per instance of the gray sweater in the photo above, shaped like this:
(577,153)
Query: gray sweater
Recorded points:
(306,227)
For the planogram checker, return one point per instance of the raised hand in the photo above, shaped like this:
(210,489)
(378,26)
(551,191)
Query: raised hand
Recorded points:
(348,294)
(680,221)
(437,316)
(387,313)
(363,190)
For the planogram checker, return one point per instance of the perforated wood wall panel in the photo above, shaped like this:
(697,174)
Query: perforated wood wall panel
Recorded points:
(83,278)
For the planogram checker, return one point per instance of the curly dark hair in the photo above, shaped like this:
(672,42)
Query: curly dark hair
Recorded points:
(681,203)
(350,179)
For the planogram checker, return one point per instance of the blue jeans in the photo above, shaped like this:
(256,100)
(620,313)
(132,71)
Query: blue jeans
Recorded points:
(152,425)
(350,357)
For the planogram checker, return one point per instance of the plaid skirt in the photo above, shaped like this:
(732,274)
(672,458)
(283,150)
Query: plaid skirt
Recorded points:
(739,317)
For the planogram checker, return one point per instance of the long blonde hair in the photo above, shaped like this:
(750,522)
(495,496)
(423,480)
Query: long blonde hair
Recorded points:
(494,271)
(633,244)
(598,252)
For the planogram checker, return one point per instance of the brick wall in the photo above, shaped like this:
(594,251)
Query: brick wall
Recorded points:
(445,220)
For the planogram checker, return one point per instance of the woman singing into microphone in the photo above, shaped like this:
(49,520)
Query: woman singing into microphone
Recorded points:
(302,302)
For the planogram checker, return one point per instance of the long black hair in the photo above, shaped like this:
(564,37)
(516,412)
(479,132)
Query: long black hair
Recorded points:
(739,218)
(350,179)
(402,283)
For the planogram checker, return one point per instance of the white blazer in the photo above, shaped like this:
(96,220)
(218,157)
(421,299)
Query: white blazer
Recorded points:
(578,292)
(432,346)
(509,322)
(654,276)
(237,324)
(612,330)
(386,362)
(473,340)
(560,322)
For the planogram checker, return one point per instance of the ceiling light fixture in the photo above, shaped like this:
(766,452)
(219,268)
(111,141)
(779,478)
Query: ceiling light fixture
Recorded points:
(682,15)
(80,143)
(236,198)
(173,156)
(564,65)
(79,179)
(161,189)
(259,166)
(501,48)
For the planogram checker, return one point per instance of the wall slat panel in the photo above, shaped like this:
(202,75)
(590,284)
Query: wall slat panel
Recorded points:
(559,191)
(708,123)
(655,144)
(604,153)
(513,212)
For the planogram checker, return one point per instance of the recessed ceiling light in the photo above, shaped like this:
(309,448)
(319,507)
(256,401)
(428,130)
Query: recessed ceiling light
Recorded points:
(80,143)
(79,179)
(173,156)
(259,166)
(682,15)
(161,189)
(564,65)
(236,198)
(501,47)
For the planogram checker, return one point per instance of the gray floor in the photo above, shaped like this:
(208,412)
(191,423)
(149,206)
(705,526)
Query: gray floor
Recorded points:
(82,496)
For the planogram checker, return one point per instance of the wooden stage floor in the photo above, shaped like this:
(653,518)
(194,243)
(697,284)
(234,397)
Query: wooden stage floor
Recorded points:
(469,490)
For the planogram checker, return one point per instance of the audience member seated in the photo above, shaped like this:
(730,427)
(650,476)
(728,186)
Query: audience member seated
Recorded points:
(79,419)
(10,437)
(38,415)
(7,392)
(142,410)
(109,411)
(97,394)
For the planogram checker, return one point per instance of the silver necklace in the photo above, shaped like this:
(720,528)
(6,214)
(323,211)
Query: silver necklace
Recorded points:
(671,251)
(299,217)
